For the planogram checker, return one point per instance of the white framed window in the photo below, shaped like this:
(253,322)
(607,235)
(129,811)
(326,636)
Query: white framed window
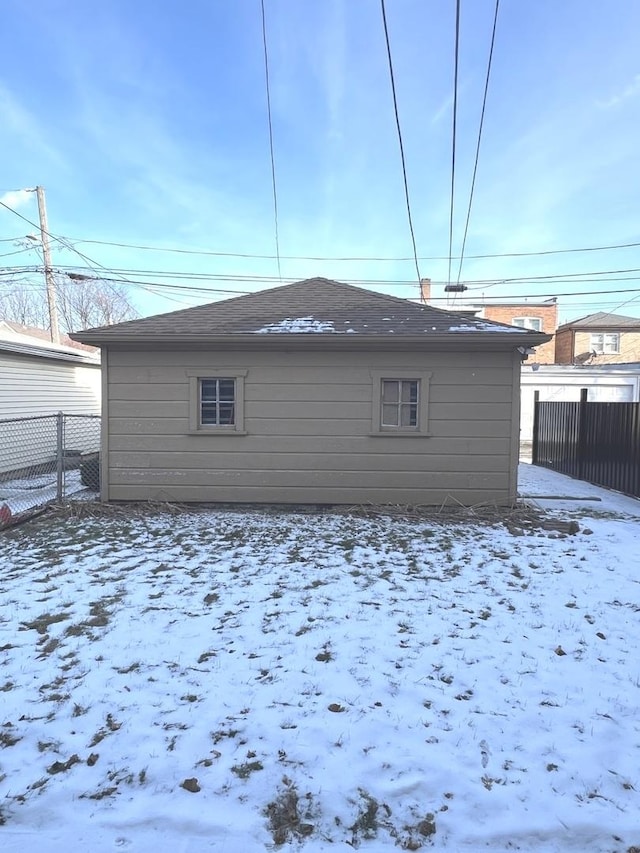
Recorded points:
(216,402)
(605,342)
(400,402)
(533,323)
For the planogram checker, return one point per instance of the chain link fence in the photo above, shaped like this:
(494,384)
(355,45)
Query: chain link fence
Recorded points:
(47,458)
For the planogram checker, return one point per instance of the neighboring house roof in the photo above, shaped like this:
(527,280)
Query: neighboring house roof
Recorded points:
(43,335)
(18,339)
(308,310)
(521,306)
(602,320)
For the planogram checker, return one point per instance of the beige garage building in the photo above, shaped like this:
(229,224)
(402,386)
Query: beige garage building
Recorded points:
(314,392)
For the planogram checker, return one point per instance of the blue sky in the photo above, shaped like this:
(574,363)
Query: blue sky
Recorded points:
(146,123)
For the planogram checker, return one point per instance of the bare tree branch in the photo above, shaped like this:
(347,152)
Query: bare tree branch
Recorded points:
(81,303)
(25,305)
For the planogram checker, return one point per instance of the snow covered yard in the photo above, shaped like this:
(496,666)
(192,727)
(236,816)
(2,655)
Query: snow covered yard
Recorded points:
(27,493)
(234,681)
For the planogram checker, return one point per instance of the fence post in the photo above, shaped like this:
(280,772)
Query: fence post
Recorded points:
(536,416)
(582,432)
(60,456)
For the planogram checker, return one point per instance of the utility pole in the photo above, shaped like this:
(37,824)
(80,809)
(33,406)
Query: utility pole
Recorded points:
(48,272)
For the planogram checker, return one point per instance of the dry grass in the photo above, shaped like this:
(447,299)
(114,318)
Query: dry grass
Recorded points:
(520,516)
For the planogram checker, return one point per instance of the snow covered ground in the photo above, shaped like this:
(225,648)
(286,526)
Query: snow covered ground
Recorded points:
(27,493)
(232,681)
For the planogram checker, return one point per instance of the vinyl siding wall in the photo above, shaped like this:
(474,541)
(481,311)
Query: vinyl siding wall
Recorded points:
(34,386)
(39,386)
(308,422)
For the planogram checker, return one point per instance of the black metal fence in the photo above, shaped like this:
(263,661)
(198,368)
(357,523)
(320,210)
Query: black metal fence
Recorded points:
(47,458)
(597,442)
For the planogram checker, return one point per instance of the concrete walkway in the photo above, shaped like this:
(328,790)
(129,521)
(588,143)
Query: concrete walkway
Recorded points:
(533,480)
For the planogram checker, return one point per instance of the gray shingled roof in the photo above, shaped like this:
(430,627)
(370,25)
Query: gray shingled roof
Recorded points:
(316,306)
(602,320)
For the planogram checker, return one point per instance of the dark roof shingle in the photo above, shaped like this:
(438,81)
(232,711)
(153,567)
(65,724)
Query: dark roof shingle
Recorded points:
(314,306)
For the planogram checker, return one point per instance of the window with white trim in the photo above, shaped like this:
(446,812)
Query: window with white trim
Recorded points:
(216,402)
(533,323)
(400,403)
(605,343)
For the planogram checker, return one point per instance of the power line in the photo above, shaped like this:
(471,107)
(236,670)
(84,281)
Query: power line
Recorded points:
(63,242)
(155,286)
(480,282)
(91,263)
(198,293)
(491,282)
(622,304)
(591,275)
(60,240)
(17,252)
(520,299)
(475,165)
(126,274)
(185,287)
(402,159)
(360,258)
(453,134)
(12,210)
(273,162)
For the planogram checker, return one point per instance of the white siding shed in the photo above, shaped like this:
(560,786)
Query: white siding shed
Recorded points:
(38,379)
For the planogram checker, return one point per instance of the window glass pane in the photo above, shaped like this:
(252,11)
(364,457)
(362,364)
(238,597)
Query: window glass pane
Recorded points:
(217,402)
(226,413)
(408,416)
(390,414)
(227,389)
(533,323)
(611,343)
(409,392)
(390,391)
(208,389)
(400,403)
(209,413)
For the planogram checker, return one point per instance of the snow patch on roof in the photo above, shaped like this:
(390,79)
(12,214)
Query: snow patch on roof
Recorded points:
(296,325)
(485,327)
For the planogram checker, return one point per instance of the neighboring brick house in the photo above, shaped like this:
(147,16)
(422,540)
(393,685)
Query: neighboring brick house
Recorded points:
(599,338)
(536,316)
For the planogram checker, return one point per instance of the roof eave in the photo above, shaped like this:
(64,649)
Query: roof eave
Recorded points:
(481,339)
(596,328)
(35,351)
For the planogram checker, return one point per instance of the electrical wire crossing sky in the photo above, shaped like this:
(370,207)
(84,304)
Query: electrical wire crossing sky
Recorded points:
(245,144)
